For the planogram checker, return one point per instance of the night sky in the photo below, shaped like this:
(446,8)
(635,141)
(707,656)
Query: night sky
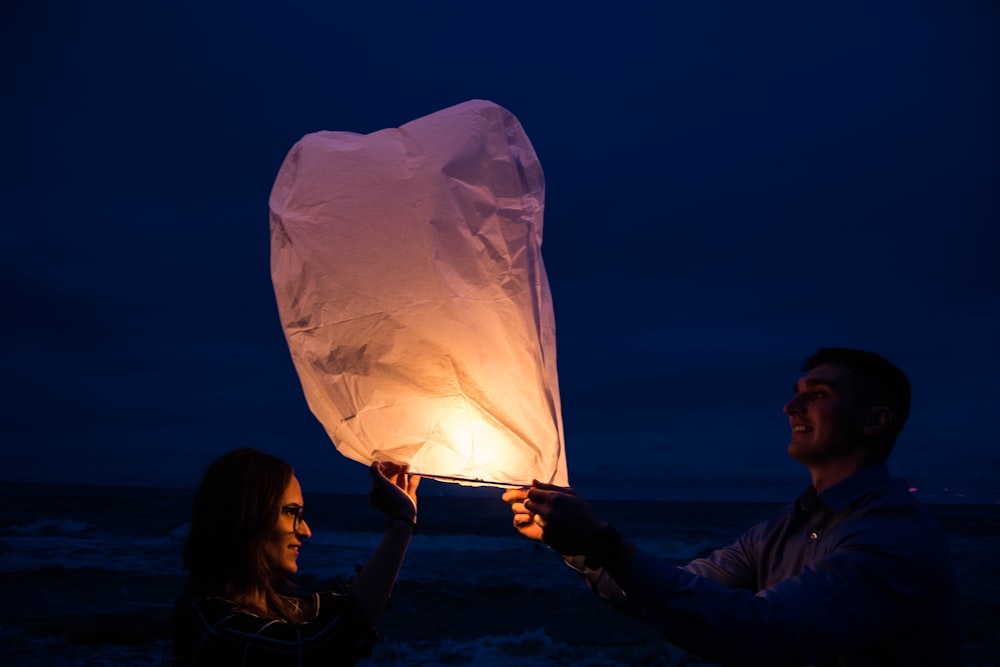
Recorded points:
(729,186)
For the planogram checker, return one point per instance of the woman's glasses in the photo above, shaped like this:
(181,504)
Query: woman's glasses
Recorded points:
(297,512)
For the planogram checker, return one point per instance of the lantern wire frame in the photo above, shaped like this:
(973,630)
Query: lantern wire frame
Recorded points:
(469,480)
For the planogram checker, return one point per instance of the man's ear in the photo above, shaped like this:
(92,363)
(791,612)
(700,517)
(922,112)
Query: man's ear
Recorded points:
(878,420)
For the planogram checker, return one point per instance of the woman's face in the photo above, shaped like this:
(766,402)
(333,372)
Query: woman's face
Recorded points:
(282,548)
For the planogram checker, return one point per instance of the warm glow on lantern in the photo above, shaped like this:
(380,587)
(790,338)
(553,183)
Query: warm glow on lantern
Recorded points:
(454,439)
(408,273)
(471,450)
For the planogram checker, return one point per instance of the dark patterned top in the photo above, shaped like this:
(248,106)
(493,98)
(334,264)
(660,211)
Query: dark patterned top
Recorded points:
(218,632)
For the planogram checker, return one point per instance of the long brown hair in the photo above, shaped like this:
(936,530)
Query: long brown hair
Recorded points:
(235,511)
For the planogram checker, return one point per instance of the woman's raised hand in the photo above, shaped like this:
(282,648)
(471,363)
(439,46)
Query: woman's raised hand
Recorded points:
(394,491)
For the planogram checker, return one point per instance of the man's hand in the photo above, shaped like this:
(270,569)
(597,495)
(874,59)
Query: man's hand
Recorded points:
(524,520)
(554,514)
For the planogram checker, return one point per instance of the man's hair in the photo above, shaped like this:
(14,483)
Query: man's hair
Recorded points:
(235,512)
(883,383)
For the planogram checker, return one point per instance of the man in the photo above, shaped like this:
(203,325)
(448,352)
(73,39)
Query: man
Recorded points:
(853,573)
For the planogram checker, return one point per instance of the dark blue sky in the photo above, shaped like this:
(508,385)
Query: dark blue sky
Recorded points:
(729,186)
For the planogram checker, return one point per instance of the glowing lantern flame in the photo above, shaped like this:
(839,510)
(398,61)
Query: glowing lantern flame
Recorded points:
(407,269)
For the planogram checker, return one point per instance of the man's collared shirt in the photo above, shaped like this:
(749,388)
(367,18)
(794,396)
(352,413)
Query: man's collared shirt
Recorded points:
(857,575)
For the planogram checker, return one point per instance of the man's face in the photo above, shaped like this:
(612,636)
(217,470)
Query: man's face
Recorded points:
(826,416)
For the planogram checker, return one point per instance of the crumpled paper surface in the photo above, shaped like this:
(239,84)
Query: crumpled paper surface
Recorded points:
(409,279)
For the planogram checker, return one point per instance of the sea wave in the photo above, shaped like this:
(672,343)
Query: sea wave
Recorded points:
(47,527)
(529,649)
(34,552)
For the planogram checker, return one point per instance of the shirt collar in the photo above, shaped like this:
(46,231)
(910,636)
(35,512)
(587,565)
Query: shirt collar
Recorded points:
(841,495)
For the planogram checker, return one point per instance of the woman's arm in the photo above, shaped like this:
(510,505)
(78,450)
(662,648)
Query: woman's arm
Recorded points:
(394,493)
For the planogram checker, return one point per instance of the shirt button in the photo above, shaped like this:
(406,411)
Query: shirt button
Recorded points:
(814,535)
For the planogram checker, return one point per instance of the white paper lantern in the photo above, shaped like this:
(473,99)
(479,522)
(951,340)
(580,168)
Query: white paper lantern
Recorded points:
(408,274)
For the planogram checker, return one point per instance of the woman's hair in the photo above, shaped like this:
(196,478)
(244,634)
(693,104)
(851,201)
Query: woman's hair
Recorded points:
(235,512)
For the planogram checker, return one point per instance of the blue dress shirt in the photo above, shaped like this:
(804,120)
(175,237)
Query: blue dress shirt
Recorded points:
(857,575)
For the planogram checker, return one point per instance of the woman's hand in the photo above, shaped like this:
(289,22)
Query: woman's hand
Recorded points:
(394,491)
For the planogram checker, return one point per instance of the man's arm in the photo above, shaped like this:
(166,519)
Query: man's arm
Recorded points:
(856,596)
(872,584)
(732,567)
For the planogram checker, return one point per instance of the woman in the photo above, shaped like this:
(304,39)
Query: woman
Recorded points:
(246,529)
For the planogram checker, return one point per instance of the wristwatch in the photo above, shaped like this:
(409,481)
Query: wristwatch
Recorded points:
(603,548)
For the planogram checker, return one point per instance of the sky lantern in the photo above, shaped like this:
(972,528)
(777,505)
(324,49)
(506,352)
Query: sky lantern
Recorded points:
(409,280)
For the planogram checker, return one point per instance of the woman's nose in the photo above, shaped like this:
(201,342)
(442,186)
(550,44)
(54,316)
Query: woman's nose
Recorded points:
(303,529)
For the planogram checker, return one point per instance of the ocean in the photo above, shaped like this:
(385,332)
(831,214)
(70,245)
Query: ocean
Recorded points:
(90,575)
